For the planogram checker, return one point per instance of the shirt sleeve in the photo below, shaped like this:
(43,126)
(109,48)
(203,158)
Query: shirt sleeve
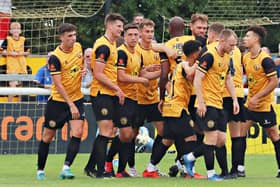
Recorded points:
(202,51)
(205,62)
(122,59)
(163,56)
(102,53)
(269,67)
(54,65)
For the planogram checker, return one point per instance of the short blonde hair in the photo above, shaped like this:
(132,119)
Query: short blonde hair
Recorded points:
(15,25)
(201,17)
(146,22)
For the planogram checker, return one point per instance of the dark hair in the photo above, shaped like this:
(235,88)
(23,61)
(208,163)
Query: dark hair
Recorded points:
(66,27)
(191,46)
(130,26)
(260,31)
(114,17)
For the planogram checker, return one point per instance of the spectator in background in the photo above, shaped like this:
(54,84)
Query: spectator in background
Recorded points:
(138,18)
(87,78)
(86,81)
(43,79)
(15,49)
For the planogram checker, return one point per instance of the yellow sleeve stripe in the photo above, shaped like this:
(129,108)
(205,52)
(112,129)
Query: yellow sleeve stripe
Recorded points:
(163,60)
(99,60)
(201,69)
(122,68)
(55,73)
(271,74)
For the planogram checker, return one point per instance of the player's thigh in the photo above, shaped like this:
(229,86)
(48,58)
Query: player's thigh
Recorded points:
(104,107)
(126,113)
(175,127)
(56,114)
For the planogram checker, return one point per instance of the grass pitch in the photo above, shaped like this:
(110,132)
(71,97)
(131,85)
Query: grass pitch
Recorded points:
(20,170)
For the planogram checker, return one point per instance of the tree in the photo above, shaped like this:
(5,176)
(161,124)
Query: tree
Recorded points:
(160,11)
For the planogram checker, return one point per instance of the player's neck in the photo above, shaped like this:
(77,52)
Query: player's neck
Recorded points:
(255,51)
(65,48)
(190,60)
(145,45)
(130,48)
(220,50)
(176,34)
(110,37)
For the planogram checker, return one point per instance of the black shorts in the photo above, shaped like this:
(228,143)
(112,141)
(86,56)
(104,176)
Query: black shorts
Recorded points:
(148,113)
(191,107)
(58,113)
(104,107)
(181,127)
(265,119)
(214,119)
(228,108)
(126,113)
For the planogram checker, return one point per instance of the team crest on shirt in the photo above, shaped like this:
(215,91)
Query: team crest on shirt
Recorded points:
(210,124)
(251,80)
(191,123)
(256,67)
(52,123)
(75,70)
(123,120)
(104,111)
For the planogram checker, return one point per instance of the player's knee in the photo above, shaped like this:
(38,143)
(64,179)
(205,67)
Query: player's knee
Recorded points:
(167,142)
(190,138)
(221,141)
(47,138)
(273,134)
